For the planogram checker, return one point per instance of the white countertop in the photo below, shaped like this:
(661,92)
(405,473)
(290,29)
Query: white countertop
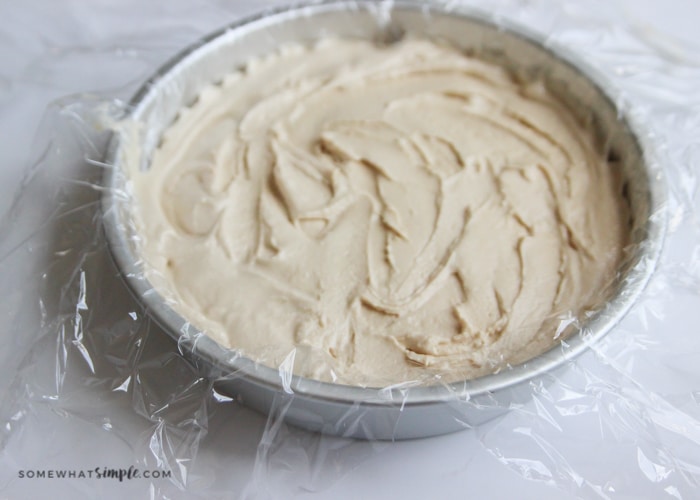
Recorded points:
(642,439)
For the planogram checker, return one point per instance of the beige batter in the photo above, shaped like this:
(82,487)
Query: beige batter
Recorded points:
(376,215)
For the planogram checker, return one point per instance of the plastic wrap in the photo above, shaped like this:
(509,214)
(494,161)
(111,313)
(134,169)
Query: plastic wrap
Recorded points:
(85,359)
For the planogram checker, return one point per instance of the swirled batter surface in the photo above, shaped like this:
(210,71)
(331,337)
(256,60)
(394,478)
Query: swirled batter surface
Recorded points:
(386,214)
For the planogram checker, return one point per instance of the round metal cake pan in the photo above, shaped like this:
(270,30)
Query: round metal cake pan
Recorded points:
(395,412)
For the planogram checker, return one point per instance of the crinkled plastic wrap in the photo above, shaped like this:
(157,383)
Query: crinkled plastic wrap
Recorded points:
(92,352)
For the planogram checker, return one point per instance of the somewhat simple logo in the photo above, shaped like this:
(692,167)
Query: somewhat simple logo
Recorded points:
(119,474)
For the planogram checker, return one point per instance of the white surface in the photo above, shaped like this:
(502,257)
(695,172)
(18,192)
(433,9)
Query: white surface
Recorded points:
(49,49)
